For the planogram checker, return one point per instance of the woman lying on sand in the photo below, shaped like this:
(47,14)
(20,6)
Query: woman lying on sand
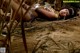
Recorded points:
(41,12)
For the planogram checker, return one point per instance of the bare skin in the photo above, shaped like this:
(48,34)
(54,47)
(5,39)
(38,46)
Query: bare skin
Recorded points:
(50,14)
(15,7)
(27,17)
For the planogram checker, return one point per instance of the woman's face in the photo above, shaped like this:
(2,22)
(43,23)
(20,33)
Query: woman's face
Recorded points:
(64,12)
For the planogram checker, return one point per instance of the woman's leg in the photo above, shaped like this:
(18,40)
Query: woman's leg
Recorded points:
(15,7)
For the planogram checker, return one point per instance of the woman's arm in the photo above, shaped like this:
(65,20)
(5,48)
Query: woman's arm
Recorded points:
(49,14)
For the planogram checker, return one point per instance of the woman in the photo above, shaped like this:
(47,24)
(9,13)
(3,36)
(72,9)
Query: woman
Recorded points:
(42,12)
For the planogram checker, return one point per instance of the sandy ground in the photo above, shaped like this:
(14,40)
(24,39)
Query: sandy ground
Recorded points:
(62,36)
